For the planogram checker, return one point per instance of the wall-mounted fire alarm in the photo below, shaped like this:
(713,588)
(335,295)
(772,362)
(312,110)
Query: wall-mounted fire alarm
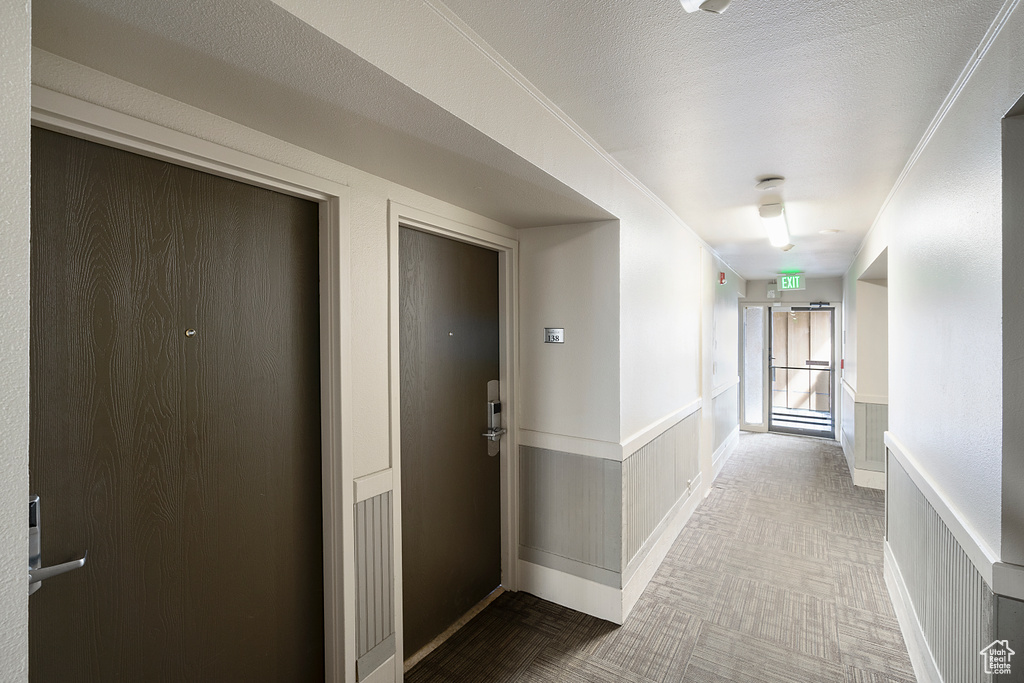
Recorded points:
(721,278)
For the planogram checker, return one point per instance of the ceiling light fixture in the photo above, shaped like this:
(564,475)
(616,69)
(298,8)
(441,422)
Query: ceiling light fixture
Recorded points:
(773,216)
(713,6)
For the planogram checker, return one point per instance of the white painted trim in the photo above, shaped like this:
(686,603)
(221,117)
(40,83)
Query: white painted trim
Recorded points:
(725,451)
(385,673)
(648,434)
(482,234)
(64,114)
(994,29)
(1008,580)
(722,388)
(864,398)
(980,553)
(607,450)
(925,668)
(589,597)
(373,485)
(869,479)
(643,574)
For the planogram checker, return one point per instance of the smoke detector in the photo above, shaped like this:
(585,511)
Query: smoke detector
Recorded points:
(712,6)
(772,182)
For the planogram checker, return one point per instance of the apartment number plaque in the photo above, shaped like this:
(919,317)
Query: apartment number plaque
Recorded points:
(554,335)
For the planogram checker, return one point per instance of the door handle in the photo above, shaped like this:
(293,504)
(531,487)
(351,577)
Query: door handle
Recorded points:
(494,428)
(494,434)
(36,573)
(39,575)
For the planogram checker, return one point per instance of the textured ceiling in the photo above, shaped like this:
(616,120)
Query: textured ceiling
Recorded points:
(254,63)
(834,95)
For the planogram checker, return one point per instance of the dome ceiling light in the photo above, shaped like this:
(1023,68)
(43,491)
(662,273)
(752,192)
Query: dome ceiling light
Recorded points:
(712,6)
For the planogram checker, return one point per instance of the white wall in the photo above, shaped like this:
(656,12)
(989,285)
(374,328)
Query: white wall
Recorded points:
(568,278)
(871,381)
(420,44)
(817,289)
(15,74)
(725,342)
(1012,547)
(661,322)
(944,229)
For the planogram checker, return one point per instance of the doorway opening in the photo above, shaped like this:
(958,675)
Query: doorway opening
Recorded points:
(800,366)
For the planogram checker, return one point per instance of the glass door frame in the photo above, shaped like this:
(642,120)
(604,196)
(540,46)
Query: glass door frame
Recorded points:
(762,425)
(833,370)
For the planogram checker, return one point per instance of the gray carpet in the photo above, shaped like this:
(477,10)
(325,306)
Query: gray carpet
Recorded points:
(776,578)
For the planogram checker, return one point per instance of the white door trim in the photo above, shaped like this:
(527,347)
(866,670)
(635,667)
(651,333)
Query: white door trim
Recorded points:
(508,313)
(71,116)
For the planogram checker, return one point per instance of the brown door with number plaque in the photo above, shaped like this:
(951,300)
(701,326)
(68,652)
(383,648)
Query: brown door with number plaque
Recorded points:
(451,527)
(175,423)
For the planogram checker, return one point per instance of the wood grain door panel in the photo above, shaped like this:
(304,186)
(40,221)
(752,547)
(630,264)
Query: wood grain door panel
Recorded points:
(189,466)
(449,350)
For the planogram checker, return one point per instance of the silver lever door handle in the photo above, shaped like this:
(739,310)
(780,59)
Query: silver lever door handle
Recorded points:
(494,434)
(38,575)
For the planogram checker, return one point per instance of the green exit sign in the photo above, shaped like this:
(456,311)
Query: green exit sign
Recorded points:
(791,281)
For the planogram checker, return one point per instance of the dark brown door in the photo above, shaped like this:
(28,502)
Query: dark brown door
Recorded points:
(175,423)
(451,527)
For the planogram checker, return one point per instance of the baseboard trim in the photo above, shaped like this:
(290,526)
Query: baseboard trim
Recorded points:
(925,668)
(869,479)
(724,452)
(646,569)
(582,595)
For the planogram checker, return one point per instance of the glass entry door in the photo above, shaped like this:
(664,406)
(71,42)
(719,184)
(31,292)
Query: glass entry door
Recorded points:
(800,366)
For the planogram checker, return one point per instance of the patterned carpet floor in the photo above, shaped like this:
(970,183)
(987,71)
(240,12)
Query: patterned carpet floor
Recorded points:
(776,578)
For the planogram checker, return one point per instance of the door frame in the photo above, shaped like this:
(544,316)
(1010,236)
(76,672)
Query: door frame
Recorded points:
(745,425)
(70,116)
(834,397)
(400,215)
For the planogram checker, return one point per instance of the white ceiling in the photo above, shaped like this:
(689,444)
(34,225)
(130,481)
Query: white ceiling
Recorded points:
(834,95)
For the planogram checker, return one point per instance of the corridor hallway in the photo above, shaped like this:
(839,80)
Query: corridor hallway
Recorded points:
(776,578)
